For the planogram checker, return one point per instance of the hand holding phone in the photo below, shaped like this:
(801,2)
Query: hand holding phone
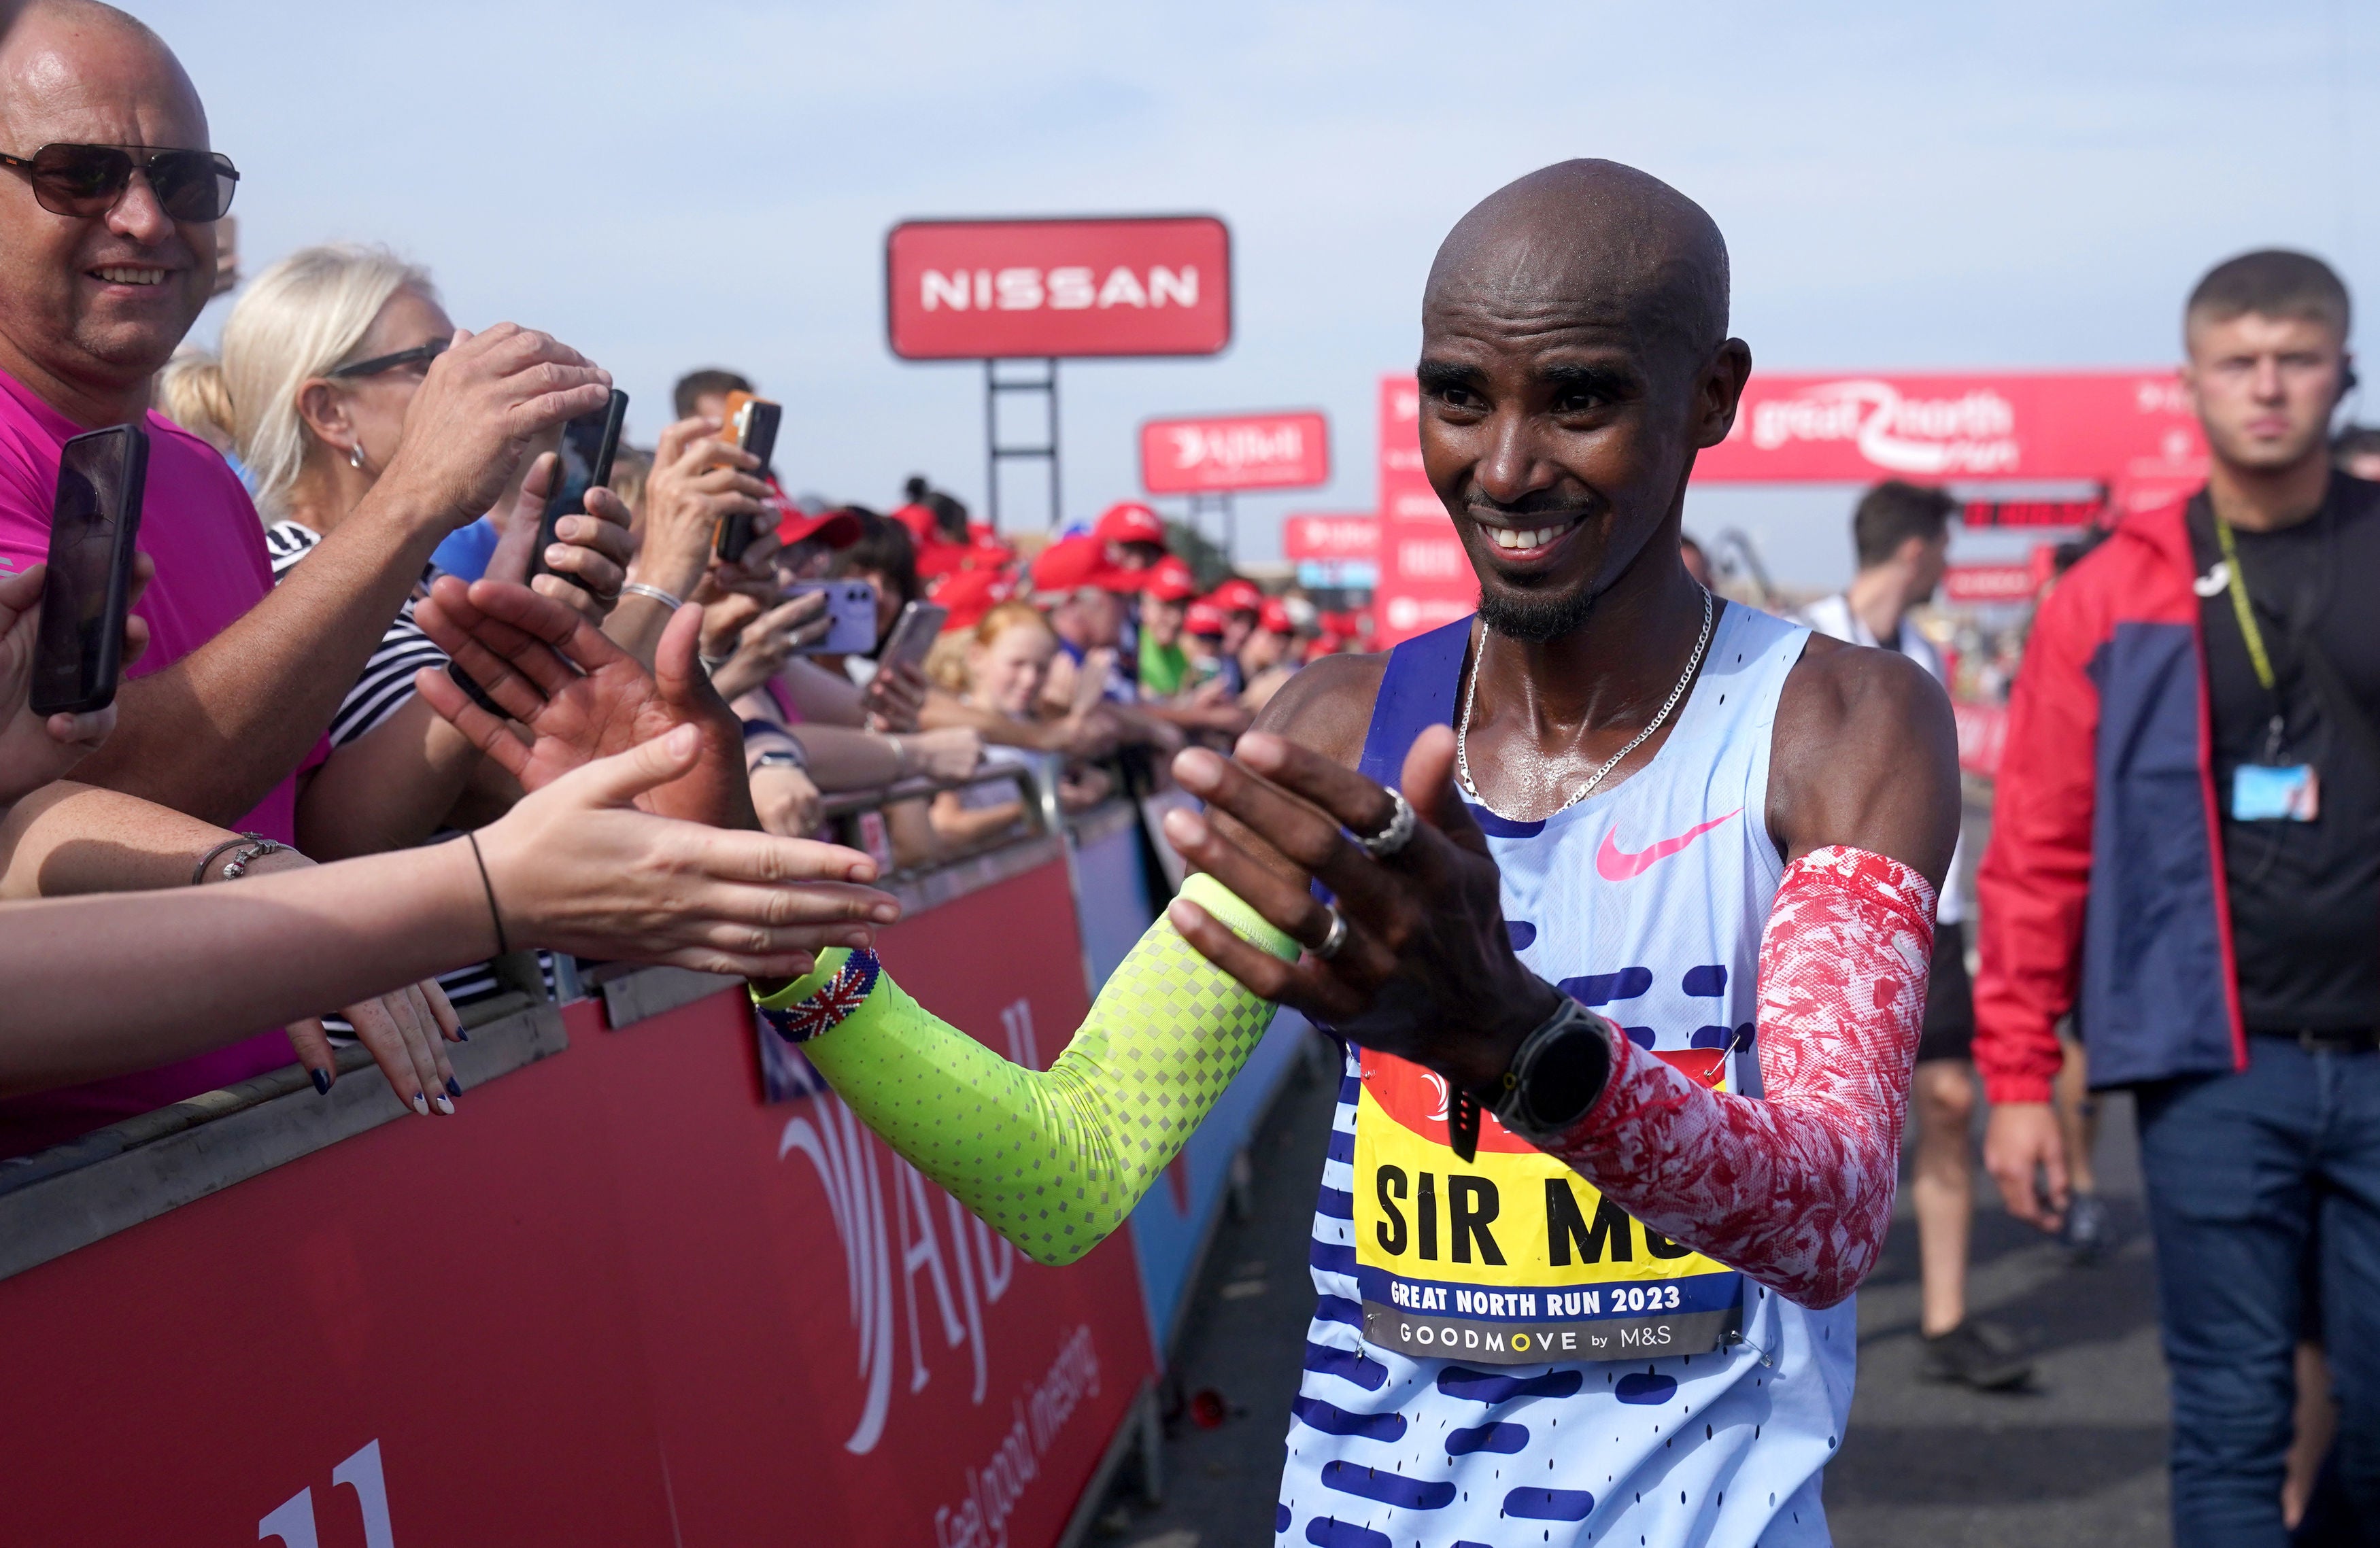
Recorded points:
(87,590)
(851,617)
(566,501)
(751,426)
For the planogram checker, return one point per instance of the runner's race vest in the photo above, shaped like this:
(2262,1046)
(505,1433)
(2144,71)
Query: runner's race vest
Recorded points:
(1499,1355)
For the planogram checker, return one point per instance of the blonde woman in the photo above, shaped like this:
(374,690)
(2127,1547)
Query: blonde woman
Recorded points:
(321,360)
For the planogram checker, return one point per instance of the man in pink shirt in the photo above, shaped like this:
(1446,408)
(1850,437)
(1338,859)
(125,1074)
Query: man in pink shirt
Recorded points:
(99,281)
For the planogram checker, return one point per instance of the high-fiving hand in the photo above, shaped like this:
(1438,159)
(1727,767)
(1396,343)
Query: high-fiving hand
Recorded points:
(1426,970)
(581,697)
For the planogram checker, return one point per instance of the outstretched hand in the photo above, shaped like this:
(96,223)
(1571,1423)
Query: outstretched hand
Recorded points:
(579,697)
(1428,971)
(574,866)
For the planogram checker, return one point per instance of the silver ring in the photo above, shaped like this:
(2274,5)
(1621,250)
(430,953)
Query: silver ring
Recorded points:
(1391,839)
(1335,938)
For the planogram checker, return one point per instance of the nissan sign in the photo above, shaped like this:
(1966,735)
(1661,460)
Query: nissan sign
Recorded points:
(1235,452)
(996,290)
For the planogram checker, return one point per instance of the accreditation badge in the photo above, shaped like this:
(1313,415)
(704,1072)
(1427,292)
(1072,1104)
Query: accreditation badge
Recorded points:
(1512,1258)
(2270,792)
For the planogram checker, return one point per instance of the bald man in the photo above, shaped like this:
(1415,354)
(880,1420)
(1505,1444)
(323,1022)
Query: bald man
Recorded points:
(108,204)
(1630,977)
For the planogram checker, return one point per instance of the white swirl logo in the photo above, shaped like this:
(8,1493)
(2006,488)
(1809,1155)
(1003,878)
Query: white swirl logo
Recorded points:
(1973,433)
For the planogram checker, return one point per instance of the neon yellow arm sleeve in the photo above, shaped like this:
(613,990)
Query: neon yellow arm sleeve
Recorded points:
(1055,1160)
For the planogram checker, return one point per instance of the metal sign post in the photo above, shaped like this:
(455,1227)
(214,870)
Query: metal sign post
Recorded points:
(995,453)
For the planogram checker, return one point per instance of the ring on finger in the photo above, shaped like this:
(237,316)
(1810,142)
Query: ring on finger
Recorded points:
(1392,839)
(1335,938)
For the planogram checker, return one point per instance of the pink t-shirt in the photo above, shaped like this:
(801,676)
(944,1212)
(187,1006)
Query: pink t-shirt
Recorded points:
(200,526)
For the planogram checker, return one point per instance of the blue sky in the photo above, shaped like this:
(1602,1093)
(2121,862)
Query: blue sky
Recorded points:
(668,186)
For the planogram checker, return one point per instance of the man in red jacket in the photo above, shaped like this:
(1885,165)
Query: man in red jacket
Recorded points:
(2186,855)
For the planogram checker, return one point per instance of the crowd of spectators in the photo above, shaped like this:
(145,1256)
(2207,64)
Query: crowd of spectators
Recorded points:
(373,752)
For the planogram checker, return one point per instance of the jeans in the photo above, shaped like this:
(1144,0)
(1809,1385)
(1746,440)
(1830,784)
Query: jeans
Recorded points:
(2240,1170)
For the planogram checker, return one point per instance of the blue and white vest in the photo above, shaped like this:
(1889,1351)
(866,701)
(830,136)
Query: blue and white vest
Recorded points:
(1498,1357)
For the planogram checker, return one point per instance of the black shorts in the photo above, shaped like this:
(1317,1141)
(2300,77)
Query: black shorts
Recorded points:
(1950,1026)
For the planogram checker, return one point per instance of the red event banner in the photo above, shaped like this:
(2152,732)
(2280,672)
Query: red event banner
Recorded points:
(1326,537)
(1235,452)
(995,290)
(2000,583)
(1426,578)
(2118,427)
(621,1299)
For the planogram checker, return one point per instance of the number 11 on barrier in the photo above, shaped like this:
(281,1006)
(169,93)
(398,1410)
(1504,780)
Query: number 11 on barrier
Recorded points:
(293,1520)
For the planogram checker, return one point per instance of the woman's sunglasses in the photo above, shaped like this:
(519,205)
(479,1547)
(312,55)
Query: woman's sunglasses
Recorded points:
(84,181)
(420,355)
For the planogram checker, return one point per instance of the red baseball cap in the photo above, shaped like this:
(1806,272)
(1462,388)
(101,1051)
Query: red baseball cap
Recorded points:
(1130,522)
(920,523)
(1170,580)
(1071,564)
(1237,596)
(1273,618)
(969,594)
(1205,618)
(836,529)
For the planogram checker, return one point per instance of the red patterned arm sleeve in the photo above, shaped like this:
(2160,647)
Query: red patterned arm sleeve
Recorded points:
(1795,1187)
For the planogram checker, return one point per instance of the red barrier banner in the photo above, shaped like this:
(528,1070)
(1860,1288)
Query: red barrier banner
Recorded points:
(1235,452)
(2031,513)
(992,290)
(1991,582)
(617,1299)
(1426,578)
(1312,536)
(1983,736)
(2109,427)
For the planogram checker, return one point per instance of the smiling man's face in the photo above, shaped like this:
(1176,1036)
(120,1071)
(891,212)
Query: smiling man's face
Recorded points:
(98,304)
(1573,361)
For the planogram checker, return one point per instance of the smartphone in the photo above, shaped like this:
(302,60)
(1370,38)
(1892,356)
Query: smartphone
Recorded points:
(568,503)
(93,522)
(851,616)
(913,634)
(751,424)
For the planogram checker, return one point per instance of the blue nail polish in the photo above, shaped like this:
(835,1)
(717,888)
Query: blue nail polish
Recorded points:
(461,1034)
(452,1089)
(321,1082)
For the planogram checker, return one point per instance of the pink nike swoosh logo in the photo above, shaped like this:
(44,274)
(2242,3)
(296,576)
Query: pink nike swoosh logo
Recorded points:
(1612,864)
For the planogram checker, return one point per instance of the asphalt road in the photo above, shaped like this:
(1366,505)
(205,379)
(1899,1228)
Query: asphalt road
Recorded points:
(2078,1460)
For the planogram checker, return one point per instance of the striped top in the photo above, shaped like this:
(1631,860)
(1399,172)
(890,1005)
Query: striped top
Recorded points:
(404,650)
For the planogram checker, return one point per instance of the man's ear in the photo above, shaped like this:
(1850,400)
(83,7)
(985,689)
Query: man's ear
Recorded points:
(1720,391)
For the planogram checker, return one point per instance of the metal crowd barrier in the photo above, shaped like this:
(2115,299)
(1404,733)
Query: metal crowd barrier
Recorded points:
(622,1296)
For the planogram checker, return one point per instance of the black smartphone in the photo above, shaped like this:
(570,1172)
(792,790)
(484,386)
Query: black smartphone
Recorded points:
(567,502)
(93,522)
(751,425)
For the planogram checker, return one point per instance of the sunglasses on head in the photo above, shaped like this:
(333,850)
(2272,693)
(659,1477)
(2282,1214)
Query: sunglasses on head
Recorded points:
(420,354)
(84,181)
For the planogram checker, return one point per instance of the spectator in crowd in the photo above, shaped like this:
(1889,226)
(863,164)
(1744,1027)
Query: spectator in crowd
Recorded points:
(102,269)
(2186,854)
(1238,601)
(2357,451)
(1265,655)
(1164,608)
(1134,534)
(322,357)
(1902,534)
(702,394)
(1202,639)
(1008,657)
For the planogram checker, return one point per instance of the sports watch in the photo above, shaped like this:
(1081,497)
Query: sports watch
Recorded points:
(1557,1074)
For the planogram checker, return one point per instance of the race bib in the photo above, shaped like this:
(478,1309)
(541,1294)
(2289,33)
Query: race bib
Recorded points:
(1512,1258)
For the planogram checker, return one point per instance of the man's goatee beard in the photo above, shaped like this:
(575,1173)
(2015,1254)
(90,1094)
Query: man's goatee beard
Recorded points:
(1534,619)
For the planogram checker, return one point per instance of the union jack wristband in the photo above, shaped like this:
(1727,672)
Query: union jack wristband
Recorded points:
(833,1000)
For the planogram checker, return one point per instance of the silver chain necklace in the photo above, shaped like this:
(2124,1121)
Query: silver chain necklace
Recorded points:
(1471,692)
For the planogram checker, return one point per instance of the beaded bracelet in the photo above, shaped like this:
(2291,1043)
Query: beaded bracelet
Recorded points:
(833,1000)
